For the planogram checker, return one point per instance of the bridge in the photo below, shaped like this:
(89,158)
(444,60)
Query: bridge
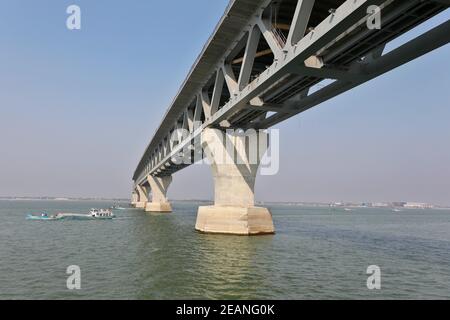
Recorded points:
(267,61)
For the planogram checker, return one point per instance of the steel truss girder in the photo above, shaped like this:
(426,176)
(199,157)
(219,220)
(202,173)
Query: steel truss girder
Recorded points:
(291,59)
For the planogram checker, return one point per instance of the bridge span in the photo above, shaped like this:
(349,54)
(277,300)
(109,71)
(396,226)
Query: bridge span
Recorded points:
(261,66)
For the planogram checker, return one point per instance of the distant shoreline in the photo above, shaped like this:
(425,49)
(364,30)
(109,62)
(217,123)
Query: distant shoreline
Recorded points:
(59,199)
(261,203)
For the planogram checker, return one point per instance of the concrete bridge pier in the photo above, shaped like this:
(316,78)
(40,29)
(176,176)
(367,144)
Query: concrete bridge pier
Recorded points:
(234,162)
(134,198)
(159,186)
(142,197)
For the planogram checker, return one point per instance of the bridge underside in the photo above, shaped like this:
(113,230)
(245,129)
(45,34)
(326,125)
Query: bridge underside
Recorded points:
(269,60)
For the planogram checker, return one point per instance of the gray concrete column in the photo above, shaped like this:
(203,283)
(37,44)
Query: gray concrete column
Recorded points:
(143,197)
(159,186)
(234,159)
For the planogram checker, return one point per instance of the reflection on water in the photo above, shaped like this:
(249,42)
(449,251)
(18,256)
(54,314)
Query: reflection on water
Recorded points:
(229,264)
(317,253)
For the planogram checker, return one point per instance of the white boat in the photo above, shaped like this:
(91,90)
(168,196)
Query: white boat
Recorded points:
(101,214)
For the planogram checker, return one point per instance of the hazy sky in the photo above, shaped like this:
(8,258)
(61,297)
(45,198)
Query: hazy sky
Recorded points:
(77,109)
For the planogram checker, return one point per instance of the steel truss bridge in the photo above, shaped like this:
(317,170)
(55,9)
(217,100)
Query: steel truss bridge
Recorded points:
(269,60)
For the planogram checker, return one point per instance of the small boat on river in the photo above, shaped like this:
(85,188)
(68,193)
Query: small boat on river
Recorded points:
(101,214)
(43,216)
(94,214)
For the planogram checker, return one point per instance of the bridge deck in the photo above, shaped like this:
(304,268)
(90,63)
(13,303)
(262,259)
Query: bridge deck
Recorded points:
(232,22)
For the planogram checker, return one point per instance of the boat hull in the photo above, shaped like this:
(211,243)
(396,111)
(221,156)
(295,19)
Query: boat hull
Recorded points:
(32,217)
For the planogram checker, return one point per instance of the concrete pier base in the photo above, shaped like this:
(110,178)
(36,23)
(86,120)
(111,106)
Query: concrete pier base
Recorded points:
(234,220)
(234,210)
(158,207)
(134,198)
(142,197)
(159,186)
(140,205)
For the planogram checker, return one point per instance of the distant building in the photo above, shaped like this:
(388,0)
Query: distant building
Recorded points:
(337,204)
(380,205)
(417,205)
(398,204)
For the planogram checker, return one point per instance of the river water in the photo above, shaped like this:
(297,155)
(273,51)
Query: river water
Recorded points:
(317,253)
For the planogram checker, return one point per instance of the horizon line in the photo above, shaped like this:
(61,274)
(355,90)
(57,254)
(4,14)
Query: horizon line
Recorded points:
(53,198)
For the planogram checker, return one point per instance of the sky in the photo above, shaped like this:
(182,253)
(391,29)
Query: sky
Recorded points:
(78,108)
